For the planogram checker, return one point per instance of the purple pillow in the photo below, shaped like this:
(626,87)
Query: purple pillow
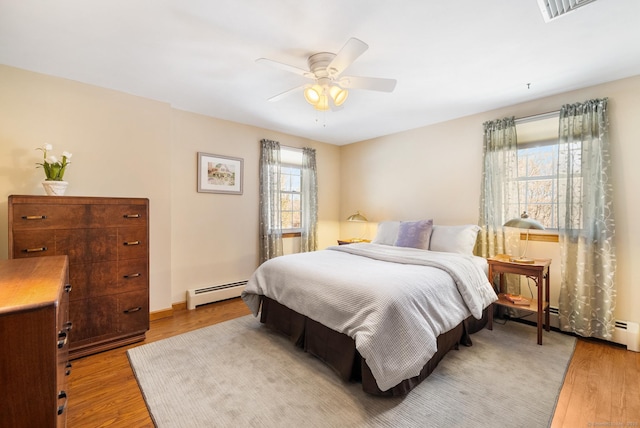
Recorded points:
(414,234)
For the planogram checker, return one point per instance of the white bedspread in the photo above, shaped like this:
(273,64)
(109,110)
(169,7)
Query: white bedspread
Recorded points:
(394,302)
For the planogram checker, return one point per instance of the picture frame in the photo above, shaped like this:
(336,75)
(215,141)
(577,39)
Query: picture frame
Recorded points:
(220,174)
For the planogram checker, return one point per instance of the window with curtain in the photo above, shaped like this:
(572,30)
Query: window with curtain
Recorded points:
(563,182)
(288,198)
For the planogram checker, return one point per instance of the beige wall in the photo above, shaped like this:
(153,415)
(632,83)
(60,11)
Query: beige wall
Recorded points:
(125,145)
(434,172)
(214,236)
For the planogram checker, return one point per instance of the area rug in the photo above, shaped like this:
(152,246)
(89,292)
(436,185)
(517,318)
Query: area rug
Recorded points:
(241,374)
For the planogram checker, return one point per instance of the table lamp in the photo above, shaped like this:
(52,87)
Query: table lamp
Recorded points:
(524,222)
(358,218)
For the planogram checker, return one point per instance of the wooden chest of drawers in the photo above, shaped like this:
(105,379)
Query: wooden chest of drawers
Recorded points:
(34,329)
(107,242)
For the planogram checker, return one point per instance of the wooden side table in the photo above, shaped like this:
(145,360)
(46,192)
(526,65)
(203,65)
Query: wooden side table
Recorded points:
(538,271)
(351,241)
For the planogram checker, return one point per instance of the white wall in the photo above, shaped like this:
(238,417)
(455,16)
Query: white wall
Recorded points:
(435,171)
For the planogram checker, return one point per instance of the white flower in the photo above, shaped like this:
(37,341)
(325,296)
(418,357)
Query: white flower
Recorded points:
(54,168)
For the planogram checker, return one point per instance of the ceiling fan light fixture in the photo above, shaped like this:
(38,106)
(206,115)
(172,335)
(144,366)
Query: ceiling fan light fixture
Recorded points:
(338,95)
(323,103)
(313,94)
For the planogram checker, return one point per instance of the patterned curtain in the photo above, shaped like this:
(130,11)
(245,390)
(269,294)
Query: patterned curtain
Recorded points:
(309,234)
(499,194)
(270,214)
(586,223)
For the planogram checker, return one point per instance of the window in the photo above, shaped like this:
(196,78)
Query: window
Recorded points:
(538,170)
(290,198)
(291,189)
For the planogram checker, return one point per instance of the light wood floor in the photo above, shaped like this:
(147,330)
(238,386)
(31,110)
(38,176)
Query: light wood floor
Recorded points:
(602,385)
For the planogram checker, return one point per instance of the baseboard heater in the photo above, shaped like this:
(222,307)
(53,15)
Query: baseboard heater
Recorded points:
(624,333)
(203,296)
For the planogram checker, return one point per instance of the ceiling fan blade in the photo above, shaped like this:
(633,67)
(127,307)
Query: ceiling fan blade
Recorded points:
(349,53)
(285,93)
(370,83)
(286,67)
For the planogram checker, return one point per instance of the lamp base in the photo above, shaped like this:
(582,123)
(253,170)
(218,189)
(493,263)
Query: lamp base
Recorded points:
(524,260)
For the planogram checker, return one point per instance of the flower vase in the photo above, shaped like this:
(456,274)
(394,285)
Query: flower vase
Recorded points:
(55,188)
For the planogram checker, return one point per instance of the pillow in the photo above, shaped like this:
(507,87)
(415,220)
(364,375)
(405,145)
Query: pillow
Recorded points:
(387,233)
(454,239)
(414,234)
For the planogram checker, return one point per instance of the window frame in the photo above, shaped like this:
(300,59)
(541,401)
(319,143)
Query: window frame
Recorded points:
(295,231)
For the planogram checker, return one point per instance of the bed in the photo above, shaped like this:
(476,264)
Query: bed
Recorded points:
(381,313)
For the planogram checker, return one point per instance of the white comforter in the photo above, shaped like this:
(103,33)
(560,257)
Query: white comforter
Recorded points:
(394,302)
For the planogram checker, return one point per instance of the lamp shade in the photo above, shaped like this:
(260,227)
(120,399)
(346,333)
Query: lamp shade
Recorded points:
(338,94)
(357,217)
(524,222)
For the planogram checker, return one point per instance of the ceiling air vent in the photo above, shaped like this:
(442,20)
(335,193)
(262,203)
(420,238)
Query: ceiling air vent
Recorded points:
(553,9)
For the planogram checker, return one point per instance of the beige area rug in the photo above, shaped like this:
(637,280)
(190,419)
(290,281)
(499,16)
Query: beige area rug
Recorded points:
(241,374)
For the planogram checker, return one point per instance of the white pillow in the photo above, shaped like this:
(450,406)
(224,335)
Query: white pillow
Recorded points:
(454,239)
(387,233)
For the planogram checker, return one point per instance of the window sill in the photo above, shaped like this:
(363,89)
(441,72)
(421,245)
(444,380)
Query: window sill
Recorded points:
(291,235)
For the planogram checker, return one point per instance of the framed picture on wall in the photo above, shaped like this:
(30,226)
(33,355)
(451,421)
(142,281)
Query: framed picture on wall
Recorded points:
(219,174)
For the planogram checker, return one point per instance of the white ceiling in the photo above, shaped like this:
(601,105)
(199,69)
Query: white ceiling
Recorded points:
(450,58)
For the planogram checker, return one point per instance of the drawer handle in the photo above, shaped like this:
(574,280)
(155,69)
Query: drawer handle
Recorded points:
(132,275)
(67,288)
(34,250)
(68,368)
(62,339)
(62,395)
(132,310)
(34,217)
(68,326)
(132,243)
(132,216)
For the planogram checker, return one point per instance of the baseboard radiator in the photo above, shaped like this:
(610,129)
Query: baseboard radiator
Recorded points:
(625,333)
(203,296)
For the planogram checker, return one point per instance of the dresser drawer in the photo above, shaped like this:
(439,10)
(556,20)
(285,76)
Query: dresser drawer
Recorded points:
(81,245)
(133,310)
(133,275)
(132,243)
(46,216)
(33,243)
(119,215)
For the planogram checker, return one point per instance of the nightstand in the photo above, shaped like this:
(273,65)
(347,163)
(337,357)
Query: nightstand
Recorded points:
(351,241)
(537,271)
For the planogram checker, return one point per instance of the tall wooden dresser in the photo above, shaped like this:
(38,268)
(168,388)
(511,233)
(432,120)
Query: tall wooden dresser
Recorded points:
(107,242)
(34,329)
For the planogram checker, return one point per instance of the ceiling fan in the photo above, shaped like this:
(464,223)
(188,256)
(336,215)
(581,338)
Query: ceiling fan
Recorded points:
(329,89)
